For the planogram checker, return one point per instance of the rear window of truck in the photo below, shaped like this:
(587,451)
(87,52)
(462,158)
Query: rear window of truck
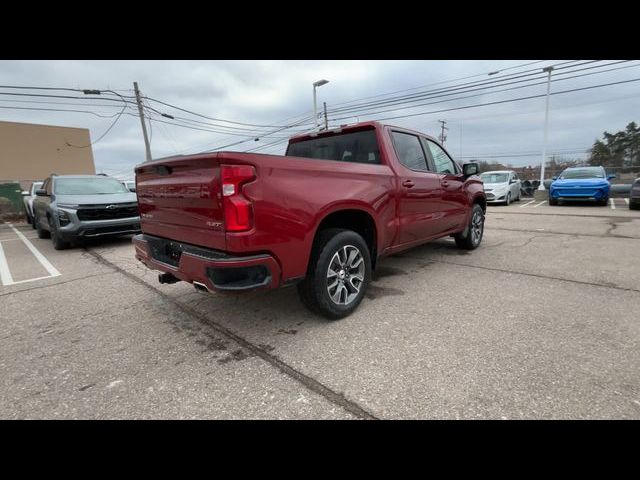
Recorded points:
(358,147)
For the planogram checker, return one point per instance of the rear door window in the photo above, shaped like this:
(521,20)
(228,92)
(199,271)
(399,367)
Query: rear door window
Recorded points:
(409,151)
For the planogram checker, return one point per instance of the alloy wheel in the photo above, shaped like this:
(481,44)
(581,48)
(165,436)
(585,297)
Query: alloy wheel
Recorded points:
(345,275)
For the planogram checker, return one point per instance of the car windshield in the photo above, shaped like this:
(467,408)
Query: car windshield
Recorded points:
(494,177)
(88,186)
(582,173)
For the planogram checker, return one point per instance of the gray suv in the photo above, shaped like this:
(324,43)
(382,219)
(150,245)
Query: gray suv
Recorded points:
(73,207)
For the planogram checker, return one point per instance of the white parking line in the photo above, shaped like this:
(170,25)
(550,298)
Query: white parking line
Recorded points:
(626,200)
(5,273)
(36,253)
(613,204)
(544,201)
(524,205)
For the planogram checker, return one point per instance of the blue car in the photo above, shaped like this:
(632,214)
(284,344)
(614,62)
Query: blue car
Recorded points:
(581,183)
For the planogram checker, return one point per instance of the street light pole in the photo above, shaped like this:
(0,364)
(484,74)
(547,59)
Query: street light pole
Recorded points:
(546,129)
(317,84)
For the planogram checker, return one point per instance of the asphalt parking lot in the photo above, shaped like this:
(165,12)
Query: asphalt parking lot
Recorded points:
(542,321)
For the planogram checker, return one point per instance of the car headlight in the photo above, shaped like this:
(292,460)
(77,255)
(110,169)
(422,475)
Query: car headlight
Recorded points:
(63,218)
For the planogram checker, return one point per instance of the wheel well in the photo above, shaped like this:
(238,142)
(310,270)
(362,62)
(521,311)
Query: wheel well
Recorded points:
(358,221)
(482,202)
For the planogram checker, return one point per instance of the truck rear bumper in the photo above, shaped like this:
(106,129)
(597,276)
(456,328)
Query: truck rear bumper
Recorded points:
(213,269)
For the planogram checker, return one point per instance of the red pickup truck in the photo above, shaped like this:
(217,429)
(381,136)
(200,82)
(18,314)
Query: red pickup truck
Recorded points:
(320,217)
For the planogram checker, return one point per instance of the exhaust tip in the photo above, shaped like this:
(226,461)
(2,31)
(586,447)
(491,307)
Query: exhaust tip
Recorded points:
(201,287)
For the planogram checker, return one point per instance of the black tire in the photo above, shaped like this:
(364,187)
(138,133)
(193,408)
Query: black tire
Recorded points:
(634,206)
(58,243)
(314,289)
(507,202)
(470,238)
(604,202)
(42,233)
(553,201)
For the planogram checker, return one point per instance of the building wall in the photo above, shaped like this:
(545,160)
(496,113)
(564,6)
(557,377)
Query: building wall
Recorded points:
(30,152)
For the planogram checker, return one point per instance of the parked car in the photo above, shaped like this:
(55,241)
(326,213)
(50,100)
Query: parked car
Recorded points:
(72,207)
(130,185)
(581,183)
(320,217)
(29,196)
(634,195)
(501,186)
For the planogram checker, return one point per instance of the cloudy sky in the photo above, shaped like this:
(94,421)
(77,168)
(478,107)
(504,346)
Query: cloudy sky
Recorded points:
(271,94)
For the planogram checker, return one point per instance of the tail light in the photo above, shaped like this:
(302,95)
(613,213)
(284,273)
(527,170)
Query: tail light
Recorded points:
(238,210)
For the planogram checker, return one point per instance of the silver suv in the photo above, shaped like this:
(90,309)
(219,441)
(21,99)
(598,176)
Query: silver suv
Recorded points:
(72,207)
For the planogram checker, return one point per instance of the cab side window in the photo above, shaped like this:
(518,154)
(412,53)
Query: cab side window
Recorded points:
(409,151)
(441,161)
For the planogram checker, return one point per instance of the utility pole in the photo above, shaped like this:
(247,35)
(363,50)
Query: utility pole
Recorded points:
(546,129)
(144,127)
(443,137)
(326,119)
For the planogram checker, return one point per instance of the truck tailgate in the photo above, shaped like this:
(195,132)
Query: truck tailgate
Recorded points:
(180,199)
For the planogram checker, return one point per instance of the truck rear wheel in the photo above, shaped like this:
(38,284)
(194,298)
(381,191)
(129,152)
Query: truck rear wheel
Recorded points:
(339,274)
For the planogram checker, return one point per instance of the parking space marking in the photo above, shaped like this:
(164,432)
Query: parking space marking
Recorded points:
(5,273)
(613,204)
(626,200)
(524,205)
(6,277)
(544,201)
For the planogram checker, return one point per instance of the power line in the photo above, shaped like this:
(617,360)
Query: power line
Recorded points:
(210,118)
(442,82)
(463,86)
(484,86)
(503,101)
(375,112)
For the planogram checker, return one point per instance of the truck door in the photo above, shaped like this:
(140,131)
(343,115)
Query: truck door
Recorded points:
(454,198)
(419,196)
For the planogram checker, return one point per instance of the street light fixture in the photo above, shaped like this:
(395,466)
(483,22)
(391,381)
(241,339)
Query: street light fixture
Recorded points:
(317,84)
(546,128)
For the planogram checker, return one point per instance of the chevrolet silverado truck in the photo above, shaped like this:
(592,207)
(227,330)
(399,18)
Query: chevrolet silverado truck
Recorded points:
(321,216)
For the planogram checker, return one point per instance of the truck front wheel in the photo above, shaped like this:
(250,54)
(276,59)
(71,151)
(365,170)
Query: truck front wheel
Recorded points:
(471,237)
(339,274)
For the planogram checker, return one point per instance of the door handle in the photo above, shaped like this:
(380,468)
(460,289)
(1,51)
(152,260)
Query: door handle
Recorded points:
(407,183)
(445,183)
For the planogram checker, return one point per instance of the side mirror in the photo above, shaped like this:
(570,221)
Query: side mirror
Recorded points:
(554,178)
(41,192)
(469,169)
(610,177)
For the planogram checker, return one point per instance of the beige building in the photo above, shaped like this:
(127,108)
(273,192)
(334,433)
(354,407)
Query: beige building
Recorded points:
(30,152)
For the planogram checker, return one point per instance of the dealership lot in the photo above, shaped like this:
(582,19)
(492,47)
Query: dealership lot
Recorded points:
(540,322)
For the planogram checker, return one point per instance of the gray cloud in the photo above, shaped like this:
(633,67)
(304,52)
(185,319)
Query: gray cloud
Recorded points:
(268,92)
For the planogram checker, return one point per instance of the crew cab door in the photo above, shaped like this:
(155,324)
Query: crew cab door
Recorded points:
(454,198)
(419,192)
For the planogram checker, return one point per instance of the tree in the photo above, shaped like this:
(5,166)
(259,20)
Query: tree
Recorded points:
(620,149)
